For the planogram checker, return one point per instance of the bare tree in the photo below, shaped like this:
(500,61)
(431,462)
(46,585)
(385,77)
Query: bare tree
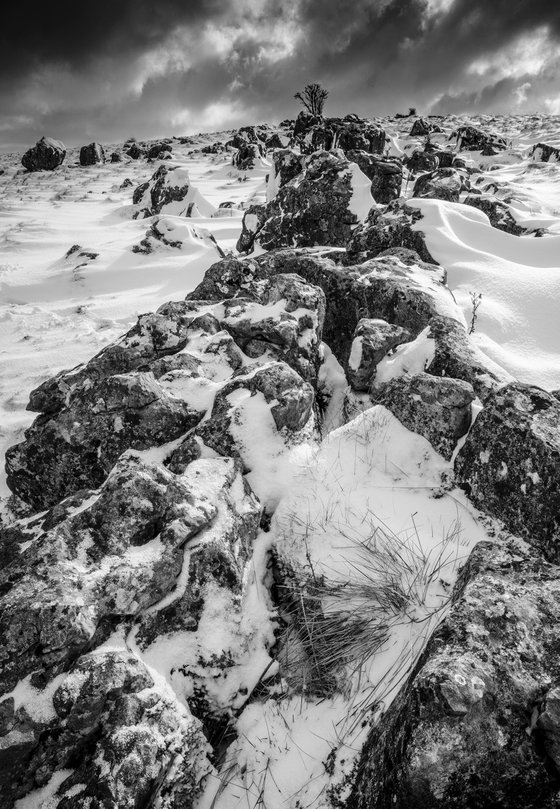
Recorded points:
(313,98)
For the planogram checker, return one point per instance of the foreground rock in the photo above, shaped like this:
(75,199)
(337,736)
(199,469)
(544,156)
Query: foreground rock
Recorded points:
(510,464)
(373,340)
(92,154)
(497,212)
(445,184)
(318,207)
(476,723)
(471,139)
(385,173)
(46,155)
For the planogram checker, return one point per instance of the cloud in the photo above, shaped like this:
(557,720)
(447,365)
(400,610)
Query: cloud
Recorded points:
(82,71)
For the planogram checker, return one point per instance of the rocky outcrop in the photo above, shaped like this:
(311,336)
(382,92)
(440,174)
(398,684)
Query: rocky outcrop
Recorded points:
(157,383)
(287,165)
(385,228)
(385,173)
(398,288)
(445,184)
(92,154)
(497,212)
(373,339)
(510,464)
(46,155)
(421,160)
(420,128)
(158,151)
(253,220)
(545,153)
(313,134)
(439,408)
(475,724)
(247,156)
(170,191)
(135,151)
(319,207)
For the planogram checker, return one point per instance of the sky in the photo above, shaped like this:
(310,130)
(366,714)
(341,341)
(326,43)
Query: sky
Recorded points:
(111,69)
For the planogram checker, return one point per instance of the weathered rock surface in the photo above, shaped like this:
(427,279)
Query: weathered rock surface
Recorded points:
(497,212)
(313,134)
(159,150)
(475,726)
(170,191)
(287,165)
(318,207)
(510,464)
(385,174)
(247,156)
(373,339)
(545,153)
(253,220)
(421,160)
(471,139)
(445,184)
(46,155)
(386,228)
(420,128)
(91,154)
(439,408)
(135,151)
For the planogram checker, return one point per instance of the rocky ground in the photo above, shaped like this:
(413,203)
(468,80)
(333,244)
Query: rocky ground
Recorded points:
(281,422)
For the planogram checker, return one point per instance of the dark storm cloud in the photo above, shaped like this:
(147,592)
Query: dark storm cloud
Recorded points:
(375,56)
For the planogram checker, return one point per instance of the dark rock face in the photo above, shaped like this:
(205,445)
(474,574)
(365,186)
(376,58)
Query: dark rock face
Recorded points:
(312,134)
(456,356)
(77,448)
(420,128)
(386,228)
(373,340)
(92,154)
(497,212)
(475,726)
(385,174)
(116,157)
(274,142)
(510,464)
(247,155)
(135,151)
(253,220)
(287,165)
(545,153)
(439,408)
(471,139)
(387,288)
(421,160)
(46,155)
(443,184)
(315,208)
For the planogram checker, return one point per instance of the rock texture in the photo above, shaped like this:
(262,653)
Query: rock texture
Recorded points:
(510,464)
(445,184)
(385,173)
(475,725)
(497,212)
(471,139)
(46,155)
(387,228)
(169,191)
(545,153)
(373,339)
(91,154)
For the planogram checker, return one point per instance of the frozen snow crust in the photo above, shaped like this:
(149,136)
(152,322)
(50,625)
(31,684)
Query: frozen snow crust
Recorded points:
(286,534)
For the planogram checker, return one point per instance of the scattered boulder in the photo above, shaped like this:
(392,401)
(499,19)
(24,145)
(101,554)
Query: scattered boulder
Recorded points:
(497,212)
(253,220)
(135,151)
(510,464)
(545,153)
(116,157)
(471,139)
(373,339)
(437,407)
(385,173)
(92,154)
(169,191)
(274,142)
(247,156)
(46,155)
(445,184)
(159,150)
(385,228)
(421,160)
(475,725)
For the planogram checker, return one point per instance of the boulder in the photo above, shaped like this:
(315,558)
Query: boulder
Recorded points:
(471,139)
(318,207)
(437,407)
(510,464)
(385,228)
(287,165)
(497,212)
(135,151)
(274,142)
(116,157)
(92,154)
(158,150)
(46,155)
(247,156)
(169,191)
(545,153)
(253,220)
(420,128)
(443,184)
(385,174)
(421,160)
(475,725)
(373,339)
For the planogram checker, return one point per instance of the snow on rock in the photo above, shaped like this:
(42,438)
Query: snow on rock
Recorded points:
(170,191)
(174,232)
(46,155)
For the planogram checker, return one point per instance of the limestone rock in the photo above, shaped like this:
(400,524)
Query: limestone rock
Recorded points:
(385,174)
(497,212)
(170,191)
(471,139)
(439,408)
(385,228)
(443,184)
(46,155)
(510,464)
(373,339)
(92,154)
(545,153)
